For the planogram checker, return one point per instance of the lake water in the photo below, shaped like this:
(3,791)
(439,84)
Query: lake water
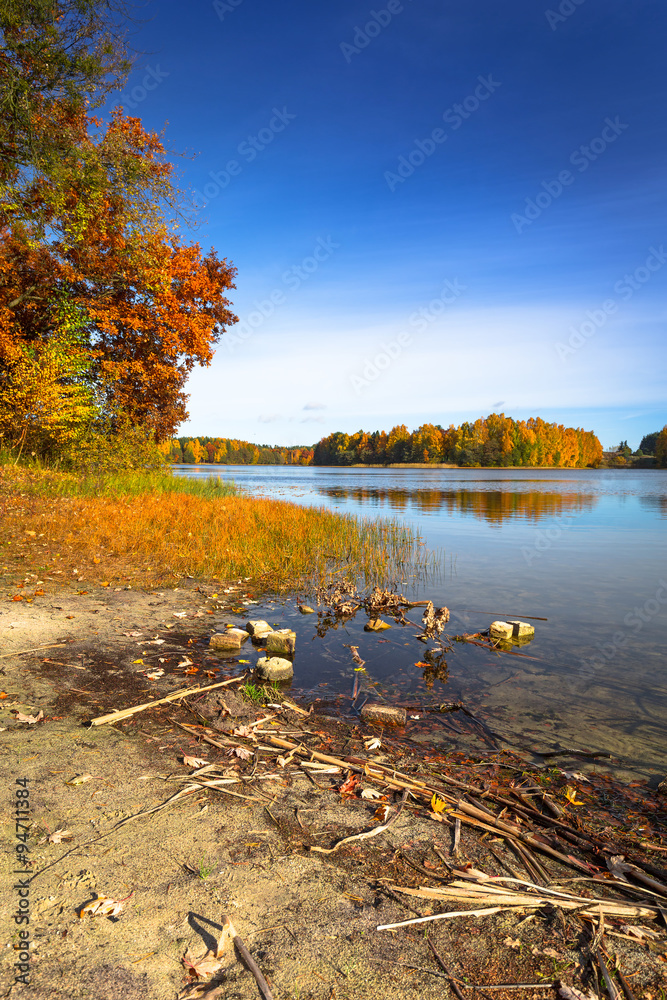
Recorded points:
(586,549)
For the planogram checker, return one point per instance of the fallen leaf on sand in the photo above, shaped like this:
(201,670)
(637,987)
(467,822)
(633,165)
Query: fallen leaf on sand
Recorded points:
(437,804)
(194,761)
(80,779)
(514,943)
(154,675)
(185,662)
(58,836)
(240,752)
(134,635)
(371,793)
(374,743)
(103,906)
(572,993)
(207,965)
(243,731)
(30,719)
(179,614)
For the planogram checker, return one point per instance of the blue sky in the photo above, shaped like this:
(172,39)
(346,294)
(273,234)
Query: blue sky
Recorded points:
(436,210)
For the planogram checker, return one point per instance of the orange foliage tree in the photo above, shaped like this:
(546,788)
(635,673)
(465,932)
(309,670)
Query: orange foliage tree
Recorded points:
(147,306)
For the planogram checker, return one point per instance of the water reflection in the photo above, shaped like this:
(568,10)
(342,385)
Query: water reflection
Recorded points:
(656,504)
(493,506)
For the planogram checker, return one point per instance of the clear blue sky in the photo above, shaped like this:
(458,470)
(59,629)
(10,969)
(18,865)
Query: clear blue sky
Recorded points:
(437,210)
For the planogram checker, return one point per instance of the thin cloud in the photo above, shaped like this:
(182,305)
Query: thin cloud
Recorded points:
(312,420)
(315,406)
(268,418)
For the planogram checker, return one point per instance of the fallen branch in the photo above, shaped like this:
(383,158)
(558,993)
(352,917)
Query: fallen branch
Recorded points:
(249,961)
(125,713)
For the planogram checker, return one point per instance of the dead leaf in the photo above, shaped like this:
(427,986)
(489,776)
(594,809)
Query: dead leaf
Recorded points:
(572,993)
(103,906)
(243,731)
(571,796)
(194,761)
(155,674)
(240,752)
(437,804)
(179,614)
(80,779)
(58,836)
(207,965)
(30,719)
(349,786)
(381,814)
(514,943)
(374,743)
(372,793)
(186,662)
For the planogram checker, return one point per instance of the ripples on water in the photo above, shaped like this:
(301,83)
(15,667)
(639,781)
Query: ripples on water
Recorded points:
(584,548)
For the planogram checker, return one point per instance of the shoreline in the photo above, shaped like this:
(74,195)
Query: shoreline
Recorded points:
(248,847)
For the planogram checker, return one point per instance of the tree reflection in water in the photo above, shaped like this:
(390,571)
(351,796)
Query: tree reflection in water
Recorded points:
(493,506)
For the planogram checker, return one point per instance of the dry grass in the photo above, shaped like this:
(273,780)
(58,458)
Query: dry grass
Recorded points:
(157,537)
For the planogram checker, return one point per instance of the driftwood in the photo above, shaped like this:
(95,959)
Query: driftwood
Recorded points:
(125,713)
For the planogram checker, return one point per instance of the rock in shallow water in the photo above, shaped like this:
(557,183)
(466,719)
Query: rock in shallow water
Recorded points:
(511,630)
(281,641)
(274,668)
(228,642)
(374,712)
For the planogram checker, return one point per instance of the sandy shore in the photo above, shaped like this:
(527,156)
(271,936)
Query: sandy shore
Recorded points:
(310,920)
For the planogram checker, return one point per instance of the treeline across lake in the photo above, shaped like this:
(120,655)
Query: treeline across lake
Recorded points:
(229,451)
(495,440)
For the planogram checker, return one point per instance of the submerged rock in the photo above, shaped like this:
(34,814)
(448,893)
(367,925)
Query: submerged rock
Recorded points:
(258,630)
(511,630)
(281,641)
(274,668)
(374,712)
(306,609)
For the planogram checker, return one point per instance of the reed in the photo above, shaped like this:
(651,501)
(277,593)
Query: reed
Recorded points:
(152,530)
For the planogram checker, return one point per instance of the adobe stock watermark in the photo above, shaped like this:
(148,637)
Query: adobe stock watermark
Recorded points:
(546,538)
(151,81)
(378,21)
(419,321)
(292,279)
(249,149)
(625,288)
(222,7)
(565,11)
(581,158)
(634,621)
(454,117)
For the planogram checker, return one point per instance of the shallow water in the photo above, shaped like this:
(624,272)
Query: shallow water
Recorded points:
(586,549)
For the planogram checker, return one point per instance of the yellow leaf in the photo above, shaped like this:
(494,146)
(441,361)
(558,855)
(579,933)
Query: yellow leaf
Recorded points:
(96,559)
(137,661)
(571,796)
(437,804)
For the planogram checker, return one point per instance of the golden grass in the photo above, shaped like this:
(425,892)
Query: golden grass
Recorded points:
(157,538)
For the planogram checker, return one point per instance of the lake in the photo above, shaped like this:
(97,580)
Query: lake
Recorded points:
(586,549)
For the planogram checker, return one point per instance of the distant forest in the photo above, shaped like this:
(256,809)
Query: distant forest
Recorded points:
(495,440)
(228,451)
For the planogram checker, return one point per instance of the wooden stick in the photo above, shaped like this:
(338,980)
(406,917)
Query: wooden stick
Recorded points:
(452,982)
(55,645)
(125,713)
(249,961)
(367,834)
